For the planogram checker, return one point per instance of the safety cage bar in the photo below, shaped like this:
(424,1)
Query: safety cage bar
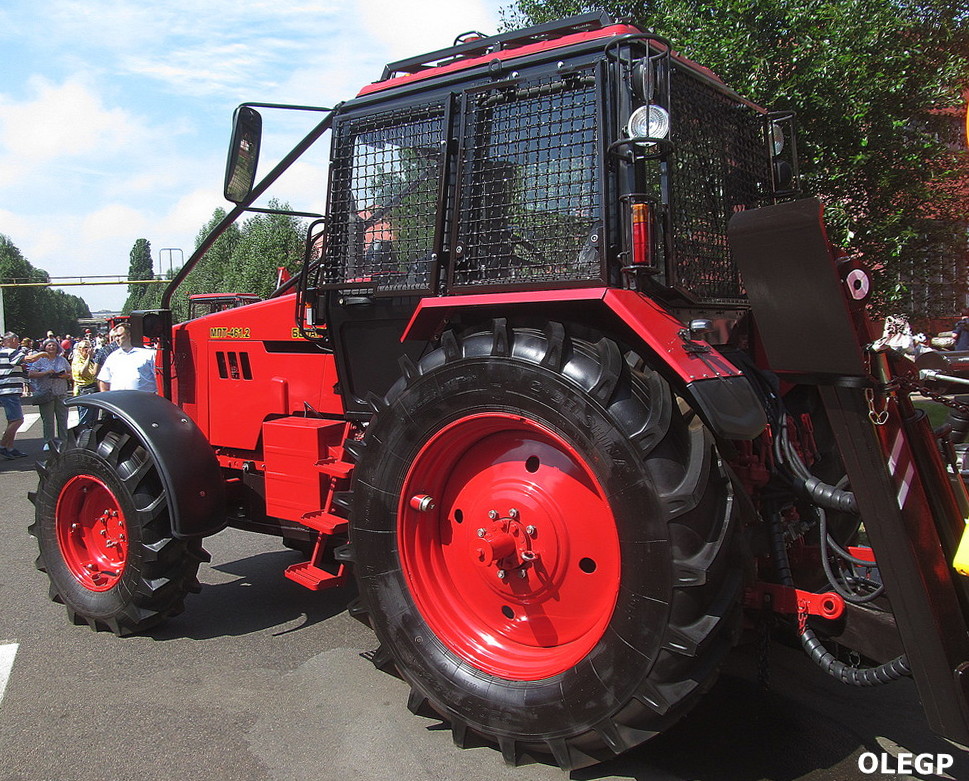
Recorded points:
(494,43)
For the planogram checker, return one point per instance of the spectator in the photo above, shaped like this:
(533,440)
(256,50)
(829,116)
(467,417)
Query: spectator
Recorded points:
(84,372)
(961,331)
(104,348)
(12,358)
(52,373)
(128,367)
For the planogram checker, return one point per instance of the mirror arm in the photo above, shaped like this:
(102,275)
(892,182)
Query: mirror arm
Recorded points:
(311,138)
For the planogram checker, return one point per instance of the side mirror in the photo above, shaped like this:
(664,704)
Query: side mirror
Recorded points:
(240,169)
(150,325)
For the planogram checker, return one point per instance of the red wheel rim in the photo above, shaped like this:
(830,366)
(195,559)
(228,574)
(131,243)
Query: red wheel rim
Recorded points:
(509,546)
(91,532)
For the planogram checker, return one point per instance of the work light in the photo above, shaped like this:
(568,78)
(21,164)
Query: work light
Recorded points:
(648,122)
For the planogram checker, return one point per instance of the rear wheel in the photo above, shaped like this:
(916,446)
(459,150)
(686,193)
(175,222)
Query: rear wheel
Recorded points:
(104,533)
(543,544)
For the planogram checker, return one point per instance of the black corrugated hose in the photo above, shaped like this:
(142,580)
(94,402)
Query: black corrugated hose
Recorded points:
(855,676)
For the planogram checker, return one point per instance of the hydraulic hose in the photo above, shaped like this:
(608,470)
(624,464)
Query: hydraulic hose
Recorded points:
(873,676)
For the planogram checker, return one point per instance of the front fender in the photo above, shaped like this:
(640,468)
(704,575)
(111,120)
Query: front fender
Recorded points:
(187,466)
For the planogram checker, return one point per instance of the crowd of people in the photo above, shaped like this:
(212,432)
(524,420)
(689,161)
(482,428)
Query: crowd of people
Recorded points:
(47,371)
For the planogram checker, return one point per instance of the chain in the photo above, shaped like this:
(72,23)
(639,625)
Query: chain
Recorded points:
(911,386)
(876,417)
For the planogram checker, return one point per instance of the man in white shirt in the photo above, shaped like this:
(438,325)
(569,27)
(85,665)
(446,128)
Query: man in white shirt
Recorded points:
(128,367)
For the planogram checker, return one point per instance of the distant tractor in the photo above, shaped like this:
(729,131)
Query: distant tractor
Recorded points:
(574,387)
(201,304)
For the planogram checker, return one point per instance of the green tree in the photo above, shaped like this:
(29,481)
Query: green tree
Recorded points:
(245,258)
(141,266)
(266,242)
(869,80)
(32,311)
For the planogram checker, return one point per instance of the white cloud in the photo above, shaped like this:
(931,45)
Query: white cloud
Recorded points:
(406,29)
(59,122)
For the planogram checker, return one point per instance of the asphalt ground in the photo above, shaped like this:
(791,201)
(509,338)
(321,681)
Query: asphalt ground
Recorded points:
(262,680)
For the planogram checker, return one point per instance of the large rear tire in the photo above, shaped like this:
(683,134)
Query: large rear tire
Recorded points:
(543,544)
(104,532)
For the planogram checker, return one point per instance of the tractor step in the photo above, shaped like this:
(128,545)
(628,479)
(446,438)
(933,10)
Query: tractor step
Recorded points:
(324,522)
(315,578)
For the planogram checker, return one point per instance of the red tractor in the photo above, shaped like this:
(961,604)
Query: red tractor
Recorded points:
(571,383)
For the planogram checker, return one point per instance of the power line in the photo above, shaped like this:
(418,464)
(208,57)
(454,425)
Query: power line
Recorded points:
(83,282)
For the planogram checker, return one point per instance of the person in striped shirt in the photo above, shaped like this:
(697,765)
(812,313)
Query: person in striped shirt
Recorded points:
(12,358)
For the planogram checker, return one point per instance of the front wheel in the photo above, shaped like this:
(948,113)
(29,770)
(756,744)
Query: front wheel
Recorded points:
(103,528)
(543,544)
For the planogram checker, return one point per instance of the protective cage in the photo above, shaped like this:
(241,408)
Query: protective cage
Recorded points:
(528,207)
(720,164)
(518,202)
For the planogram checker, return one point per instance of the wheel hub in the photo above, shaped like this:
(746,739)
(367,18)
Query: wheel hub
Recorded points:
(505,545)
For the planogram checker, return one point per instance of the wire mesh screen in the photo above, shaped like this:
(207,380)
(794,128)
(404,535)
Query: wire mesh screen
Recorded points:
(721,165)
(529,209)
(385,182)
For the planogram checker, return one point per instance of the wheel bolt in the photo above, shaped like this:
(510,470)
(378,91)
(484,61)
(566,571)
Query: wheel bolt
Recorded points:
(522,574)
(493,514)
(104,532)
(513,513)
(530,531)
(501,574)
(481,532)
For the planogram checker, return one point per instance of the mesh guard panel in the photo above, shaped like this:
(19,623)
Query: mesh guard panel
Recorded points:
(529,200)
(721,165)
(385,183)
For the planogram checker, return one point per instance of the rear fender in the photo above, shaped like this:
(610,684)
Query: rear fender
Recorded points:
(187,466)
(718,390)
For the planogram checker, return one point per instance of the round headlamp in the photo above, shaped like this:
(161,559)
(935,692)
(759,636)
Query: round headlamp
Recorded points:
(777,138)
(649,122)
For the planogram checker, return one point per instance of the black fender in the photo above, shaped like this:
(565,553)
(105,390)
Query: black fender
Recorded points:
(189,470)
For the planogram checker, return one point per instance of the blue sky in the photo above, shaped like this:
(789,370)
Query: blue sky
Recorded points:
(115,115)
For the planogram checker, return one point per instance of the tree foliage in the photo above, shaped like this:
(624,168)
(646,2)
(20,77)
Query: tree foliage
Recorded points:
(140,267)
(32,311)
(245,258)
(870,81)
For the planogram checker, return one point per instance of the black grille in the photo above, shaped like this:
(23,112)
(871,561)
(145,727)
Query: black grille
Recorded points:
(529,209)
(385,181)
(720,165)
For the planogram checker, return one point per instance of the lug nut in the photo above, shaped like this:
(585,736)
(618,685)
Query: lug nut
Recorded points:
(481,532)
(501,574)
(493,514)
(530,531)
(513,513)
(522,574)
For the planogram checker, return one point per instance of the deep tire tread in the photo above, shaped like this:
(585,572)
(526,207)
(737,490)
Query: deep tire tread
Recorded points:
(705,579)
(160,571)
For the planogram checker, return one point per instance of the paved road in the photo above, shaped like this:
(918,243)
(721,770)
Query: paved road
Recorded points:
(261,680)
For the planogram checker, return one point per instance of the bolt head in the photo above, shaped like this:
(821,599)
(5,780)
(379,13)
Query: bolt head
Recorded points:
(530,531)
(480,532)
(513,513)
(501,574)
(493,514)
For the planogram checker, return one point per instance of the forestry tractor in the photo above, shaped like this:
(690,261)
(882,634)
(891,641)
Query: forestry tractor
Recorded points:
(572,385)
